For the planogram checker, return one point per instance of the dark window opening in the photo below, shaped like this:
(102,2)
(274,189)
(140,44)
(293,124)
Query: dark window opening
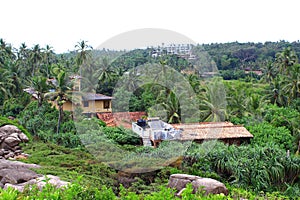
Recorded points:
(106,105)
(85,104)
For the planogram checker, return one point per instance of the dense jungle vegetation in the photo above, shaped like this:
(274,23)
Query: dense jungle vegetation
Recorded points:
(266,103)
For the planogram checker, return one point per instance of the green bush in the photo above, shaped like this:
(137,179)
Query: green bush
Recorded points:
(121,135)
(265,134)
(259,168)
(80,192)
(13,106)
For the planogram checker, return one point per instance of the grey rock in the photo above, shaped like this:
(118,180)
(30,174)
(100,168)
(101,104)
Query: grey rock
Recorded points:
(210,186)
(10,138)
(9,129)
(9,155)
(6,164)
(14,176)
(39,182)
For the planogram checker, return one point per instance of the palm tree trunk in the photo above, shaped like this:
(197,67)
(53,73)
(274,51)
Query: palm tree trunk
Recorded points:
(60,117)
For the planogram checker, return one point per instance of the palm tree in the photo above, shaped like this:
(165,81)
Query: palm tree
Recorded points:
(277,94)
(286,59)
(194,82)
(48,57)
(61,94)
(23,60)
(83,54)
(5,83)
(291,84)
(5,51)
(172,107)
(105,72)
(35,58)
(213,105)
(269,72)
(40,85)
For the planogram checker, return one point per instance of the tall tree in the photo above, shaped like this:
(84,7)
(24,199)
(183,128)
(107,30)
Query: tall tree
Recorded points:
(285,59)
(105,71)
(48,59)
(41,87)
(35,58)
(62,92)
(213,104)
(83,55)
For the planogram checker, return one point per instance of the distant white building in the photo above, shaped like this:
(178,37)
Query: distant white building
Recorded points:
(182,50)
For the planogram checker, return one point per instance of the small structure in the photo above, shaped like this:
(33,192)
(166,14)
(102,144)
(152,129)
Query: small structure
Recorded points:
(153,131)
(224,131)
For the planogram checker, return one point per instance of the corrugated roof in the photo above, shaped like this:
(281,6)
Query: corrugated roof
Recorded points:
(93,96)
(213,130)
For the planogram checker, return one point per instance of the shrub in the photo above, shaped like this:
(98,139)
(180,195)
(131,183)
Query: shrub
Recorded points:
(259,168)
(265,134)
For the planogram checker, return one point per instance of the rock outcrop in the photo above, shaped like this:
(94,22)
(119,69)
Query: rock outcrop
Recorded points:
(17,175)
(10,138)
(210,186)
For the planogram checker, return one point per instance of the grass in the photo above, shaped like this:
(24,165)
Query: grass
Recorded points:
(69,164)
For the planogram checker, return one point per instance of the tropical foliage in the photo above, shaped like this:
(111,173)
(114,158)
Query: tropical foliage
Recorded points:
(253,84)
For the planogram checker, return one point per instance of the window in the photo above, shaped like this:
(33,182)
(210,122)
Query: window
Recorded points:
(106,105)
(85,104)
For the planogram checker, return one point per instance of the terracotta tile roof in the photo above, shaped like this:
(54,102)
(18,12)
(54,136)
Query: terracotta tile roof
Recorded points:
(121,118)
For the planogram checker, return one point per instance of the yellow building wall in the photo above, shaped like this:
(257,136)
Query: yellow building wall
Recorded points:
(68,106)
(96,106)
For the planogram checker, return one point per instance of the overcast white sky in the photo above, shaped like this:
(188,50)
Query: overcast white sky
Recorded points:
(63,23)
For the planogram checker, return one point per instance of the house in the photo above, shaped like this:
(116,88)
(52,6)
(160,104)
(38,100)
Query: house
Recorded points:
(223,131)
(154,131)
(96,103)
(90,103)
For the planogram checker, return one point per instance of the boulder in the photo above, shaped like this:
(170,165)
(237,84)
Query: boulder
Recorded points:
(10,138)
(17,175)
(40,182)
(6,164)
(210,186)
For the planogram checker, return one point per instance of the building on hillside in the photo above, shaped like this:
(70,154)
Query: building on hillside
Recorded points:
(223,131)
(90,103)
(257,72)
(181,50)
(154,131)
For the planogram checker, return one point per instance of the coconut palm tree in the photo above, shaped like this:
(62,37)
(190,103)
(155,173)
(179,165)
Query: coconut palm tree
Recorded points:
(83,55)
(5,83)
(48,58)
(291,84)
(172,107)
(62,92)
(35,58)
(286,59)
(41,87)
(105,71)
(213,104)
